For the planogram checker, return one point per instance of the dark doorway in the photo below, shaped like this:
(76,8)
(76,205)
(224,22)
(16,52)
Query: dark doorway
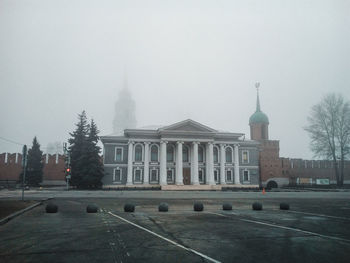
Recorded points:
(187,175)
(272,184)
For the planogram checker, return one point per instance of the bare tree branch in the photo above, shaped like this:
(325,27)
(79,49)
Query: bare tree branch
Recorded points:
(329,131)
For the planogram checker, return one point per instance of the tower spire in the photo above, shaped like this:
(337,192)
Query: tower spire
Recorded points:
(257,85)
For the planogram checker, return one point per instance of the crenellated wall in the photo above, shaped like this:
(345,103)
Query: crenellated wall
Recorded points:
(11,167)
(293,171)
(308,171)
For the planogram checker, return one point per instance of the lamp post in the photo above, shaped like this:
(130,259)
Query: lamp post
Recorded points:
(24,164)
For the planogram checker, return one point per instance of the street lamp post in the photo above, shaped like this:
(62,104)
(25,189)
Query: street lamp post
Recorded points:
(24,164)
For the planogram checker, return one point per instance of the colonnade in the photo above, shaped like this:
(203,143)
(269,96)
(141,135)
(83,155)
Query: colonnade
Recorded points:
(179,163)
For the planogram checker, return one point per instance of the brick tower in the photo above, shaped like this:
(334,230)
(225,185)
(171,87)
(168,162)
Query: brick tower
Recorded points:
(259,122)
(269,160)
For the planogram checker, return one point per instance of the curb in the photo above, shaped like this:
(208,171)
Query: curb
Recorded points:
(8,218)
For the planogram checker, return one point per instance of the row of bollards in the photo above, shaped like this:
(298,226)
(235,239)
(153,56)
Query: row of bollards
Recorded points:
(163,207)
(53,208)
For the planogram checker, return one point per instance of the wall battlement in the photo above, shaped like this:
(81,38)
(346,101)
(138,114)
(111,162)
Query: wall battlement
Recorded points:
(53,171)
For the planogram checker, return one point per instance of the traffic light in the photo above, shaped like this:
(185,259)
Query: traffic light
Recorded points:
(68,173)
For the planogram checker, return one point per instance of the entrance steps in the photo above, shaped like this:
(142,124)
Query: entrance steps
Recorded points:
(204,187)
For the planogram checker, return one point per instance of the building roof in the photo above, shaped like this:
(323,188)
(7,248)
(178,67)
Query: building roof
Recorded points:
(258,116)
(183,129)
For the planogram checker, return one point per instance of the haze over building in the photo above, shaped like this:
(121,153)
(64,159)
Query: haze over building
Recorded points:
(124,111)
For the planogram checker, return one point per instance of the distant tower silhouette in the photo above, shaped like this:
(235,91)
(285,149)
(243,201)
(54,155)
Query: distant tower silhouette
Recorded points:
(259,122)
(124,116)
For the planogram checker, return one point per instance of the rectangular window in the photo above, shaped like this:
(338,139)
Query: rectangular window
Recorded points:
(201,176)
(154,153)
(154,175)
(154,157)
(245,157)
(200,154)
(216,156)
(138,153)
(119,154)
(228,154)
(246,176)
(138,175)
(170,154)
(169,176)
(229,176)
(185,154)
(117,175)
(216,176)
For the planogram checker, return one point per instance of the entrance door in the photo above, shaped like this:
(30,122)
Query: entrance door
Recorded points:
(187,175)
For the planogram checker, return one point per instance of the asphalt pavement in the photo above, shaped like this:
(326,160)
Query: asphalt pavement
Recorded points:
(315,229)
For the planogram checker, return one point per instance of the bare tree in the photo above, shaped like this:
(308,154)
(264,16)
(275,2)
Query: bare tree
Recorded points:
(343,135)
(329,129)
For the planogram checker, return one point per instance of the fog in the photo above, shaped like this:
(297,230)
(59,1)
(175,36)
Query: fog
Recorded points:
(124,111)
(183,59)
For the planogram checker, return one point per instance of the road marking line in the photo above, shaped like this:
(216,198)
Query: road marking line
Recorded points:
(286,227)
(313,214)
(166,239)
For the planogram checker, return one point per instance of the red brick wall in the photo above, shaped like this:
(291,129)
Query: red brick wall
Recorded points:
(315,169)
(270,162)
(272,166)
(52,171)
(10,170)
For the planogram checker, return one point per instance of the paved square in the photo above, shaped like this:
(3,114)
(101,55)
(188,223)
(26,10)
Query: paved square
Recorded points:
(314,230)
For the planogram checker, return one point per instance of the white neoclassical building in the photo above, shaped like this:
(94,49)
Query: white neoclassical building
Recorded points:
(184,153)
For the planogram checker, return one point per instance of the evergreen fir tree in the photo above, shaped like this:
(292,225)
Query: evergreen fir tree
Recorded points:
(34,174)
(86,165)
(94,167)
(77,149)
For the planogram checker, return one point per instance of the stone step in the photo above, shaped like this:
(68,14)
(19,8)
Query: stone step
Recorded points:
(191,187)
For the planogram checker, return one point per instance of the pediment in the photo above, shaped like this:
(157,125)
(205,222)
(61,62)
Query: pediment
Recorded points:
(188,126)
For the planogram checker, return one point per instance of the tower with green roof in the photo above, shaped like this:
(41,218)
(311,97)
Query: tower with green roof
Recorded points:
(259,122)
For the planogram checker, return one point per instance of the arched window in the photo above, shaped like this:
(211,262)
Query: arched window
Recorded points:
(138,153)
(200,154)
(216,154)
(170,153)
(185,154)
(154,153)
(228,154)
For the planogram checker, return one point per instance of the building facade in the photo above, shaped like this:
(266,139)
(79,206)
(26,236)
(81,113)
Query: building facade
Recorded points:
(185,153)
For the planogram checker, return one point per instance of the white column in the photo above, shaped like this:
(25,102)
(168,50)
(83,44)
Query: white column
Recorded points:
(210,164)
(191,161)
(222,163)
(146,164)
(236,165)
(179,175)
(130,154)
(162,176)
(206,163)
(195,163)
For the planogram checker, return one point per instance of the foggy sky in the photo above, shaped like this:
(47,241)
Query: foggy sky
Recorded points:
(184,59)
